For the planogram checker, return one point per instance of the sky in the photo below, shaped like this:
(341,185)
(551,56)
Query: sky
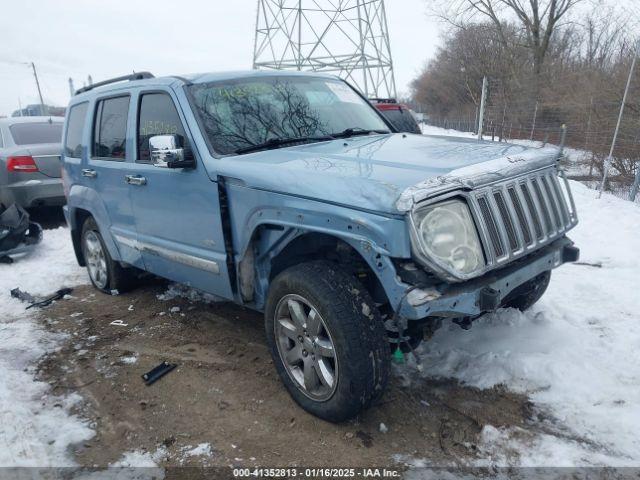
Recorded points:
(75,38)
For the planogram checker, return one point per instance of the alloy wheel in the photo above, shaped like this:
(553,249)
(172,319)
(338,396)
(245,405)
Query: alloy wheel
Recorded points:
(96,260)
(306,348)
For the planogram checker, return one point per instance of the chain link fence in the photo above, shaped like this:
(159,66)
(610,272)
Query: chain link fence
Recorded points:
(588,107)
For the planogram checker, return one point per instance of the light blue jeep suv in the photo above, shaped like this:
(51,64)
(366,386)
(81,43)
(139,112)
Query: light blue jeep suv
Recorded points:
(290,194)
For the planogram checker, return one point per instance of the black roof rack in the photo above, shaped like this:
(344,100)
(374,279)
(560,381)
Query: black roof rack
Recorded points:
(133,76)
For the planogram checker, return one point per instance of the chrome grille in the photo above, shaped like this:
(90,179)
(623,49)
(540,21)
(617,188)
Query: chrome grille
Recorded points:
(522,214)
(492,227)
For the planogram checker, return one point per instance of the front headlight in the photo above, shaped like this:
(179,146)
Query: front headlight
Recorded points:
(447,235)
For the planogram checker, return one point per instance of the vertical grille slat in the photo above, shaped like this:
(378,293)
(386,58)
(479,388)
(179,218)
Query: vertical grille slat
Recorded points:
(553,202)
(566,218)
(492,227)
(522,218)
(512,237)
(532,211)
(543,206)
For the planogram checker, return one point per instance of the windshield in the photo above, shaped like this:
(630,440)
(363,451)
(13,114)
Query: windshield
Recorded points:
(35,133)
(238,114)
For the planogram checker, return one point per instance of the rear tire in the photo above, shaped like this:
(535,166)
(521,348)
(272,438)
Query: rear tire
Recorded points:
(105,274)
(316,309)
(527,294)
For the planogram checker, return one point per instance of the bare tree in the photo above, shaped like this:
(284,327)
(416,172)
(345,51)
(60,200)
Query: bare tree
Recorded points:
(538,20)
(454,76)
(580,85)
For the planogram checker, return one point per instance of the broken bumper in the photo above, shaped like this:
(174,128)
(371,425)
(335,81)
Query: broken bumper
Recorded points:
(486,294)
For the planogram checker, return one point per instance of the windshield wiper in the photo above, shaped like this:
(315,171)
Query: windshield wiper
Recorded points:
(274,143)
(352,132)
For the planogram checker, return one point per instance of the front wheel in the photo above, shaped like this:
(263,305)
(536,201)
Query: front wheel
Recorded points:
(327,340)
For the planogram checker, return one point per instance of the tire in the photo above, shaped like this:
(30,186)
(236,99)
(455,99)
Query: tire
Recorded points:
(112,276)
(346,320)
(527,294)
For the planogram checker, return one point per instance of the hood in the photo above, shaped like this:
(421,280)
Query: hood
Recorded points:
(381,173)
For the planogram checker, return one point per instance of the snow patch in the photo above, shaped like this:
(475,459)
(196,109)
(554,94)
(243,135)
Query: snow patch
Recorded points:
(202,449)
(141,459)
(177,290)
(37,427)
(129,360)
(575,353)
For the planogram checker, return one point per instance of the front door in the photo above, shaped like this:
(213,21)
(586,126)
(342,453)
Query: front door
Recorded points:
(177,211)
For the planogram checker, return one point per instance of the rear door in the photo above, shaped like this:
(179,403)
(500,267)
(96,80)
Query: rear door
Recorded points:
(177,211)
(110,162)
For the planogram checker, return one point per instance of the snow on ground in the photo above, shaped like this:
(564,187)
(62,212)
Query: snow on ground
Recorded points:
(575,354)
(36,428)
(140,459)
(134,465)
(447,132)
(197,451)
(177,290)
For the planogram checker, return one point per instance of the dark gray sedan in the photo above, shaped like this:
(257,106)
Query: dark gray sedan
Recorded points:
(30,166)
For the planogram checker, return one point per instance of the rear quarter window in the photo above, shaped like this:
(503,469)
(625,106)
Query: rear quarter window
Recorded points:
(75,127)
(36,133)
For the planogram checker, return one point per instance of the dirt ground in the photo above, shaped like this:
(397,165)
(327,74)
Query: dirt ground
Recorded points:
(225,392)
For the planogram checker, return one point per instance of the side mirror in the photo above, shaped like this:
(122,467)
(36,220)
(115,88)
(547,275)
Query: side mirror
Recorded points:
(166,152)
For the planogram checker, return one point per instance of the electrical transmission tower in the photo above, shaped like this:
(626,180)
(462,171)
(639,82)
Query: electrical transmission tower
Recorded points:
(348,37)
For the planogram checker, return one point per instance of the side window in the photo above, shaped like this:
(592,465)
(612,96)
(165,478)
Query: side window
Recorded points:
(110,128)
(75,127)
(157,116)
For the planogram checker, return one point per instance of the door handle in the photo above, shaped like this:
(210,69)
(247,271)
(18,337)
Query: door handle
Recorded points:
(135,180)
(87,172)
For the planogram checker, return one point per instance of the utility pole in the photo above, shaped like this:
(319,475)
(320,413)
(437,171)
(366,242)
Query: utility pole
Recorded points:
(607,162)
(483,100)
(72,90)
(586,138)
(20,106)
(533,125)
(636,182)
(35,74)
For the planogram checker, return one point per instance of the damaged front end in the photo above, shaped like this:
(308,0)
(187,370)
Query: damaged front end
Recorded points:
(17,234)
(482,233)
